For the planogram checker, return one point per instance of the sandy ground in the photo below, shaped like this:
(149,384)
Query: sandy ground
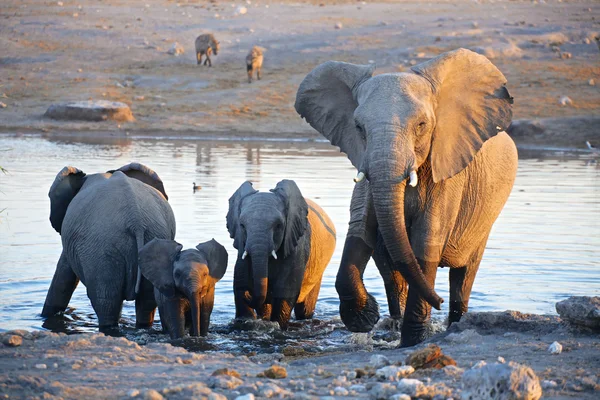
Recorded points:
(117,50)
(48,365)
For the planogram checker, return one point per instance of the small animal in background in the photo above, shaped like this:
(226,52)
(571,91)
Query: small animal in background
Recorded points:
(206,45)
(196,187)
(184,282)
(254,61)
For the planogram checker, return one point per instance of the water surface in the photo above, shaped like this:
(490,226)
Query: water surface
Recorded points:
(543,248)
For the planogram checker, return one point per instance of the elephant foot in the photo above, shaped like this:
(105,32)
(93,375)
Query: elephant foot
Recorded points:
(413,333)
(143,325)
(111,330)
(457,310)
(362,320)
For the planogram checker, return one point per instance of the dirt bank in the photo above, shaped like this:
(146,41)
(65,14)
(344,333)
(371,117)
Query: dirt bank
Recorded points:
(49,365)
(117,50)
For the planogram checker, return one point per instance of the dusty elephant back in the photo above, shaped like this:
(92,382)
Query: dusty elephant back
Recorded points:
(322,246)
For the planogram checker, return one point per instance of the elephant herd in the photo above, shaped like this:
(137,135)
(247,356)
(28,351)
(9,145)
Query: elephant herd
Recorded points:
(435,169)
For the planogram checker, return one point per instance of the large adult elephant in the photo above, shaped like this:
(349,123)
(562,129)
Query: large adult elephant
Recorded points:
(103,220)
(435,168)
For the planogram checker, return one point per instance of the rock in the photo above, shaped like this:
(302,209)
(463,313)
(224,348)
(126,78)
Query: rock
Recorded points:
(293,351)
(400,397)
(429,357)
(501,382)
(466,336)
(338,25)
(271,390)
(41,366)
(340,391)
(382,391)
(378,361)
(176,50)
(549,385)
(226,371)
(565,55)
(13,341)
(358,388)
(501,360)
(411,387)
(216,396)
(474,24)
(393,373)
(580,310)
(241,10)
(91,110)
(139,98)
(3,105)
(555,348)
(152,394)
(224,382)
(274,372)
(133,393)
(592,82)
(565,101)
(248,396)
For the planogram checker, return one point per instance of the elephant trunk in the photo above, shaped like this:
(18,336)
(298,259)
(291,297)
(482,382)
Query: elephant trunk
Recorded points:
(388,177)
(195,302)
(259,256)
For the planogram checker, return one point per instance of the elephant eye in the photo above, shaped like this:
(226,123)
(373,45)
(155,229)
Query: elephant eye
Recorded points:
(360,130)
(422,124)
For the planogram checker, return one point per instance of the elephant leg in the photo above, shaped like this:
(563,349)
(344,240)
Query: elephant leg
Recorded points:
(265,311)
(358,309)
(461,283)
(418,311)
(306,309)
(396,287)
(206,308)
(173,316)
(145,305)
(282,311)
(108,308)
(242,291)
(61,289)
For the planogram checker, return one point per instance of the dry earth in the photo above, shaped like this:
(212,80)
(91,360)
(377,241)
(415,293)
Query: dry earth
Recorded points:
(117,50)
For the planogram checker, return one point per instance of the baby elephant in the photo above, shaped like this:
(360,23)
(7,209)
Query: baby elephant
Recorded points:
(254,61)
(184,282)
(206,44)
(284,244)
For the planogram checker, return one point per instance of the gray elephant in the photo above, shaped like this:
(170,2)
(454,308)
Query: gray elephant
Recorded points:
(184,282)
(103,220)
(435,168)
(284,244)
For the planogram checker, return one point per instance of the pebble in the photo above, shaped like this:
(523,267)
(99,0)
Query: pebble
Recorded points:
(501,360)
(152,394)
(592,82)
(358,388)
(340,391)
(565,55)
(275,372)
(429,357)
(400,397)
(227,372)
(555,348)
(378,361)
(411,387)
(565,101)
(382,391)
(351,375)
(241,10)
(549,384)
(216,396)
(12,340)
(339,25)
(41,366)
(224,382)
(248,396)
(392,373)
(133,393)
(475,25)
(139,98)
(3,105)
(176,50)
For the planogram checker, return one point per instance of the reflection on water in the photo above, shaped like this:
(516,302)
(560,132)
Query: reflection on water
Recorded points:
(544,247)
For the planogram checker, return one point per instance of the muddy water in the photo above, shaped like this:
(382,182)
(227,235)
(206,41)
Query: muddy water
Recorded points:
(544,247)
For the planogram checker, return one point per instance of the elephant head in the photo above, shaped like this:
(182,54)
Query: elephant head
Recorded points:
(190,273)
(437,117)
(264,225)
(71,180)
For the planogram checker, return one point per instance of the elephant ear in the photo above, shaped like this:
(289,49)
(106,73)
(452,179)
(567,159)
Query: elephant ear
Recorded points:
(216,257)
(296,214)
(326,98)
(155,261)
(64,188)
(233,215)
(144,174)
(473,105)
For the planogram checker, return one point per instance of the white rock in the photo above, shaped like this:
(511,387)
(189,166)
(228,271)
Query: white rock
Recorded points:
(224,382)
(400,397)
(152,395)
(241,10)
(59,3)
(411,387)
(351,375)
(466,336)
(340,391)
(549,384)
(248,396)
(392,373)
(501,359)
(338,25)
(358,388)
(382,391)
(555,348)
(216,396)
(474,24)
(41,366)
(592,82)
(3,105)
(133,393)
(176,50)
(565,101)
(501,382)
(378,361)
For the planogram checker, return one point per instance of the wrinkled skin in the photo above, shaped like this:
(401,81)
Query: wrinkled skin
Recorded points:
(440,127)
(284,244)
(184,283)
(103,220)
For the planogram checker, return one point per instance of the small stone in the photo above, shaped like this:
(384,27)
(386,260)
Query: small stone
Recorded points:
(400,397)
(340,391)
(393,373)
(378,361)
(555,49)
(565,101)
(474,24)
(351,375)
(339,25)
(565,55)
(139,98)
(226,371)
(133,393)
(176,50)
(275,372)
(429,357)
(555,348)
(248,396)
(216,396)
(293,351)
(12,340)
(382,391)
(411,387)
(358,388)
(152,394)
(41,366)
(501,360)
(3,105)
(224,382)
(241,10)
(420,55)
(549,385)
(580,310)
(592,82)
(413,62)
(587,41)
(514,380)
(59,3)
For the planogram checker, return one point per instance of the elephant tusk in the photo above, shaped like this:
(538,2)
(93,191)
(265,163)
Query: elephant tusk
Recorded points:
(274,254)
(414,179)
(245,254)
(359,177)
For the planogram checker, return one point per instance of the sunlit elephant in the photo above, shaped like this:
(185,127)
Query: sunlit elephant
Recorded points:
(103,220)
(184,282)
(284,244)
(434,170)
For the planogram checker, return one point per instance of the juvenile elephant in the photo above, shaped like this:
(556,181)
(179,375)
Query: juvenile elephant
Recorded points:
(435,168)
(103,220)
(284,244)
(184,282)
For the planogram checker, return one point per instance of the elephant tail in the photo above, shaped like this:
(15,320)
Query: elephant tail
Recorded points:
(139,237)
